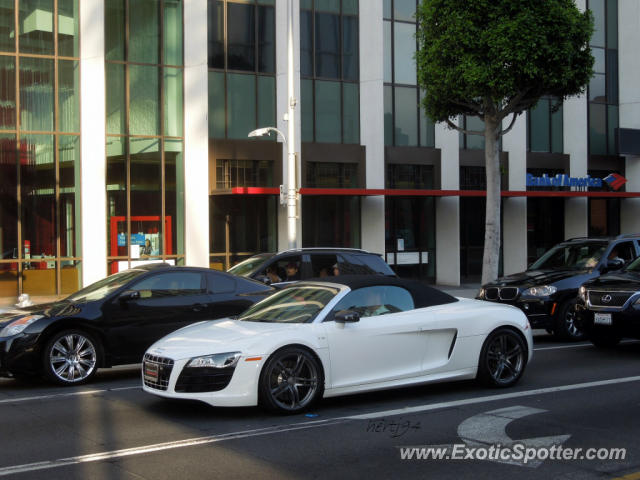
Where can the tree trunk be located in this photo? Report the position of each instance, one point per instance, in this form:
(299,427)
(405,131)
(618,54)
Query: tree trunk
(491,255)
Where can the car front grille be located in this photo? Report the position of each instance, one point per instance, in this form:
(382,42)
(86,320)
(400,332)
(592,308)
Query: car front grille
(599,298)
(501,293)
(200,379)
(165,365)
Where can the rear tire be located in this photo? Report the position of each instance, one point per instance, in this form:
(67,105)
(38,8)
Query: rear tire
(566,328)
(503,359)
(70,357)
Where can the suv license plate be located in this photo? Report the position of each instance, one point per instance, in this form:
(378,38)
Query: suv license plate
(602,319)
(151,372)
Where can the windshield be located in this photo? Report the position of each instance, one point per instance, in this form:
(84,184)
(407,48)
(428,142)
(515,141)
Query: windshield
(248,266)
(578,256)
(291,305)
(102,288)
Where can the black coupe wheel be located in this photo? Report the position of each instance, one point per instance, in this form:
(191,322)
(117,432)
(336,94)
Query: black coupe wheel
(70,358)
(503,358)
(566,327)
(291,381)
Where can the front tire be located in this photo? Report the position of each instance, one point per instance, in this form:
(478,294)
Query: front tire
(70,357)
(566,328)
(291,381)
(502,359)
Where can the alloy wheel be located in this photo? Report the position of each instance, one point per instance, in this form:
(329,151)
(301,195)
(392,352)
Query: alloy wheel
(505,358)
(292,380)
(72,358)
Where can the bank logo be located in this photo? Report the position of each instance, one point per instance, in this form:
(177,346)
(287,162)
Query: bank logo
(615,181)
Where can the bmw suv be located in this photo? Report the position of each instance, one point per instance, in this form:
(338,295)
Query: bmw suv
(546,292)
(305,263)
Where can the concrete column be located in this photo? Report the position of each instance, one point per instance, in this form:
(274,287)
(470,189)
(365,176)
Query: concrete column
(576,142)
(629,79)
(372,122)
(196,151)
(448,208)
(93,202)
(282,21)
(514,228)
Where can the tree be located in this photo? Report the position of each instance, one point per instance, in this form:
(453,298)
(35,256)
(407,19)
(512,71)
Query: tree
(494,59)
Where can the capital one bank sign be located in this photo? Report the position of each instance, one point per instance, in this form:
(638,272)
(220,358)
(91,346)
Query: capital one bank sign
(614,180)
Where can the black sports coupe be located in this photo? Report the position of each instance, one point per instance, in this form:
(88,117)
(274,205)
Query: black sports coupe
(113,321)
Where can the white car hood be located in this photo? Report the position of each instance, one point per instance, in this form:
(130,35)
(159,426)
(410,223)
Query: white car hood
(225,335)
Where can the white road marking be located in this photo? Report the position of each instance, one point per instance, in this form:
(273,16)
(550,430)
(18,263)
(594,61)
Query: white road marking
(109,455)
(577,345)
(62,395)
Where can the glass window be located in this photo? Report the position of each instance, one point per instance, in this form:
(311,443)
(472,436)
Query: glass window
(612,124)
(331,221)
(328,5)
(172,32)
(266,100)
(221,283)
(7,92)
(68,96)
(144,107)
(174,195)
(597,91)
(350,48)
(115,27)
(406,116)
(146,193)
(404,47)
(68,28)
(217,120)
(306,92)
(350,7)
(612,76)
(404,10)
(599,62)
(557,129)
(476,124)
(266,40)
(597,129)
(36,94)
(387,57)
(8,199)
(539,119)
(427,127)
(387,9)
(327,45)
(144,34)
(306,43)
(241,37)
(388,115)
(374,301)
(173,102)
(7,29)
(36,26)
(351,114)
(69,161)
(117,196)
(215,34)
(115,103)
(597,7)
(328,112)
(612,24)
(241,105)
(175,283)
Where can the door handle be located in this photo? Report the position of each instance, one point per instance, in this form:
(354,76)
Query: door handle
(198,307)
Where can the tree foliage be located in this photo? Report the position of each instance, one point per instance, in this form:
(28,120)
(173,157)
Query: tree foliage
(478,57)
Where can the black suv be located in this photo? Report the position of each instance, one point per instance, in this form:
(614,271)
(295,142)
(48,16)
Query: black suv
(546,292)
(608,307)
(305,263)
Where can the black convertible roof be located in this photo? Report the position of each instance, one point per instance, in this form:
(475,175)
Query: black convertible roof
(423,295)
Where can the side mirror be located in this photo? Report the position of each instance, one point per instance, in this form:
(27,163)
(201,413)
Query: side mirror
(615,264)
(129,295)
(264,279)
(347,316)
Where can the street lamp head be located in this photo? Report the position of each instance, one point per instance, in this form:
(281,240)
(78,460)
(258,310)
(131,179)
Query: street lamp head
(260,132)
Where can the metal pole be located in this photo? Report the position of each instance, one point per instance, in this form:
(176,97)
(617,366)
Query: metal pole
(292,191)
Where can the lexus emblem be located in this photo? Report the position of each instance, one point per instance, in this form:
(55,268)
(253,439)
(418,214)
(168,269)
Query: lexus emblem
(606,298)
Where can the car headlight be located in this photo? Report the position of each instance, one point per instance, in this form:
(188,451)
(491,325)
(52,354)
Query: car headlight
(219,360)
(480,295)
(19,325)
(541,291)
(582,293)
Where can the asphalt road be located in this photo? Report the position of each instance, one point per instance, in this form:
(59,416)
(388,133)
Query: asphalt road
(573,395)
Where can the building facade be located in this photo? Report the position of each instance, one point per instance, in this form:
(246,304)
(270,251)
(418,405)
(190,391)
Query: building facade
(123,139)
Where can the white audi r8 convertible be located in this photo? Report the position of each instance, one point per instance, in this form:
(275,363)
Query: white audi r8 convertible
(350,334)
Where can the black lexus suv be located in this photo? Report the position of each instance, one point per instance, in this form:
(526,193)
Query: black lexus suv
(274,268)
(547,291)
(608,307)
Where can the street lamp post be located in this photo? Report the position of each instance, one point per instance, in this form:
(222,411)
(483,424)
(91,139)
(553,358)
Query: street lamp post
(292,190)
